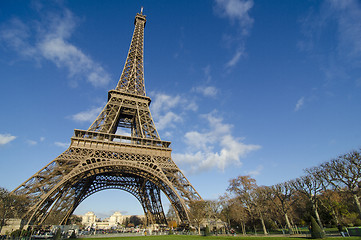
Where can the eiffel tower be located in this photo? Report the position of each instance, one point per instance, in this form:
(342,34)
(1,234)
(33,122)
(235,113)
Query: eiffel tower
(99,158)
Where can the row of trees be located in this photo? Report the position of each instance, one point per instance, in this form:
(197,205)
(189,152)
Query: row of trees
(329,192)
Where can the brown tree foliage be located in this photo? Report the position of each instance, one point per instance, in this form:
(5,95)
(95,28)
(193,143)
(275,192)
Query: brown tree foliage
(198,213)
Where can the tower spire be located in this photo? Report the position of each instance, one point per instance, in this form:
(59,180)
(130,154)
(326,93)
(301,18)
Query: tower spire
(132,78)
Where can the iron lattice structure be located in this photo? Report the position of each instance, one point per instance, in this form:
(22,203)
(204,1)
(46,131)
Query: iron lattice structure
(99,158)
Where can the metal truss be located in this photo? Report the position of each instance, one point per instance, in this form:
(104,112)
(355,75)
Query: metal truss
(100,159)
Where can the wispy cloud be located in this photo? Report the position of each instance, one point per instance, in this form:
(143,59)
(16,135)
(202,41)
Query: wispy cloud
(6,138)
(237,11)
(236,57)
(338,21)
(256,172)
(207,73)
(62,144)
(87,116)
(31,142)
(35,142)
(214,147)
(207,91)
(299,104)
(348,16)
(50,39)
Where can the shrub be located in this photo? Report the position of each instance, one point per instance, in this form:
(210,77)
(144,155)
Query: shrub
(316,231)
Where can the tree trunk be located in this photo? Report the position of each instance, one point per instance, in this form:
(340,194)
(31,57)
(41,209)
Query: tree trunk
(357,202)
(243,225)
(263,225)
(314,206)
(335,216)
(288,224)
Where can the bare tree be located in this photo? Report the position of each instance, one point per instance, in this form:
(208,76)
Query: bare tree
(239,213)
(262,204)
(198,213)
(327,198)
(310,186)
(344,173)
(282,196)
(225,211)
(213,211)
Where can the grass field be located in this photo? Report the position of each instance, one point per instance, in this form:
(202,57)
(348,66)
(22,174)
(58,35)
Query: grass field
(189,237)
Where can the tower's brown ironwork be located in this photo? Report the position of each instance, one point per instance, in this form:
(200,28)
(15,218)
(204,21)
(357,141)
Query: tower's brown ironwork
(99,158)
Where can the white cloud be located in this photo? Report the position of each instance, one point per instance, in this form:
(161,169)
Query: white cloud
(16,35)
(163,102)
(207,73)
(236,57)
(61,144)
(168,120)
(6,138)
(123,132)
(299,104)
(338,21)
(31,142)
(207,91)
(168,110)
(87,116)
(348,16)
(49,39)
(256,172)
(236,10)
(214,147)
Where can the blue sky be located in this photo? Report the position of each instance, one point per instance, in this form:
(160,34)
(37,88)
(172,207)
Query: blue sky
(266,88)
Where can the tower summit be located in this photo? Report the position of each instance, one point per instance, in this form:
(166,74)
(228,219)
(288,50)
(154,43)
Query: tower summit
(100,158)
(132,78)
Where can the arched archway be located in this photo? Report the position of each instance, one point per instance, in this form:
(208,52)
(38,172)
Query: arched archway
(141,180)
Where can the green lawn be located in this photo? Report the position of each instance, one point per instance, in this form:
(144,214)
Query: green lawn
(185,237)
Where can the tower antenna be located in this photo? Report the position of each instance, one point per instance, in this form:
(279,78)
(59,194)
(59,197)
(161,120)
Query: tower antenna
(141,9)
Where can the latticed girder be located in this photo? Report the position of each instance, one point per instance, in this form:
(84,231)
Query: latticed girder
(144,174)
(45,179)
(132,78)
(147,193)
(126,110)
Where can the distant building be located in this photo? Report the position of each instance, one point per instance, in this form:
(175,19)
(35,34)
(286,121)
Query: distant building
(90,220)
(10,225)
(116,219)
